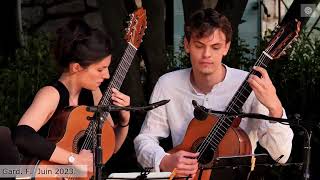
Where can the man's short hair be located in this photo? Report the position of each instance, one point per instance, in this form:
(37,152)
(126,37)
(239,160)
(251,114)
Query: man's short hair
(204,22)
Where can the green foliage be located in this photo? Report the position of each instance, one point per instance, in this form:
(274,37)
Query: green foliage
(179,60)
(240,54)
(23,75)
(297,77)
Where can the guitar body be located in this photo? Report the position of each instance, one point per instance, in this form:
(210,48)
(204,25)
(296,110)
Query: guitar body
(235,142)
(68,132)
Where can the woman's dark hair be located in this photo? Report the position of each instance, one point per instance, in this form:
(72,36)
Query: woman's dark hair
(204,22)
(79,43)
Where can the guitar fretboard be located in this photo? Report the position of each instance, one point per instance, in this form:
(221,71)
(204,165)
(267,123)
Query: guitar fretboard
(219,130)
(118,76)
(115,82)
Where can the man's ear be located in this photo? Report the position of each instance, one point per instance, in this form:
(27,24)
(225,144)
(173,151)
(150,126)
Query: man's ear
(75,67)
(227,47)
(186,45)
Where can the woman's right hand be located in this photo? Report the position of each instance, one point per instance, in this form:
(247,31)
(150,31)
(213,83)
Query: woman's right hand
(85,157)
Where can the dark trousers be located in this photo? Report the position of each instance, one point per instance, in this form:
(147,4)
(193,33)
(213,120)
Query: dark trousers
(114,14)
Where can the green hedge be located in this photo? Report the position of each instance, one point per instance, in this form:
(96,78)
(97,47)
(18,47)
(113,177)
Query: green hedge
(23,74)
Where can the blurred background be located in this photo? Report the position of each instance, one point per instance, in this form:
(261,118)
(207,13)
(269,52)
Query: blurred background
(28,31)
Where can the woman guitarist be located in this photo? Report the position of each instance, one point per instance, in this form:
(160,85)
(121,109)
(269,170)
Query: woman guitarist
(212,84)
(84,55)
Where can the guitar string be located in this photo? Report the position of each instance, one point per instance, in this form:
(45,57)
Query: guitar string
(88,143)
(222,119)
(93,125)
(204,145)
(132,50)
(232,105)
(113,83)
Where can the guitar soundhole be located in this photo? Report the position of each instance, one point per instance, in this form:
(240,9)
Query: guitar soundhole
(80,142)
(206,153)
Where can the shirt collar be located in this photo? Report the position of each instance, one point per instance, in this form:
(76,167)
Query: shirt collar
(226,78)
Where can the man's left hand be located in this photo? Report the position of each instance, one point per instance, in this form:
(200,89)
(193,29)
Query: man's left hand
(266,92)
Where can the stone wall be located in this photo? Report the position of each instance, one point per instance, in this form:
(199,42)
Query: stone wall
(48,15)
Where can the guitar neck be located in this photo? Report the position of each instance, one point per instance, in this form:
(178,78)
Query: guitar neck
(219,130)
(244,90)
(118,76)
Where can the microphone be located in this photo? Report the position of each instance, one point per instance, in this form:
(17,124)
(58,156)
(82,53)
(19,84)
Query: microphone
(154,105)
(109,108)
(199,112)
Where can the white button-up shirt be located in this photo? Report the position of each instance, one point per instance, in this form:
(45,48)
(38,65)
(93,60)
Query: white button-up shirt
(175,116)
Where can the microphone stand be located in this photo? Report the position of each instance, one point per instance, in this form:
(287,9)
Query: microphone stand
(98,118)
(98,148)
(307,149)
(307,154)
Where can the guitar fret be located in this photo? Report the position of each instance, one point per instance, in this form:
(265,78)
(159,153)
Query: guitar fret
(264,66)
(247,90)
(213,142)
(235,103)
(243,95)
(210,143)
(239,100)
(116,82)
(224,128)
(226,123)
(219,133)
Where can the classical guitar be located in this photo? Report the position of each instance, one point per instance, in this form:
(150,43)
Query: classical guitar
(71,129)
(221,136)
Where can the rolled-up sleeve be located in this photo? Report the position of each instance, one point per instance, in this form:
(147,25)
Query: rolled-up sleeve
(275,137)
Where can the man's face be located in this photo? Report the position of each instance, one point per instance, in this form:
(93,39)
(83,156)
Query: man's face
(206,53)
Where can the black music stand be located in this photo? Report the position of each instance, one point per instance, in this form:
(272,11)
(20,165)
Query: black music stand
(239,167)
(98,164)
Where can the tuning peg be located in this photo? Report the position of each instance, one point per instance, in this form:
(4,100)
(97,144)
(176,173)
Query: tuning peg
(129,21)
(283,53)
(277,27)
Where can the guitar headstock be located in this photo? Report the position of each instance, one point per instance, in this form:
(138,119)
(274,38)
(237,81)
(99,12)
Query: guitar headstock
(284,36)
(136,28)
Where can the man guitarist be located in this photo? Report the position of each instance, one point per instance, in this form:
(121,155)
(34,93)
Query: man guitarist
(212,84)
